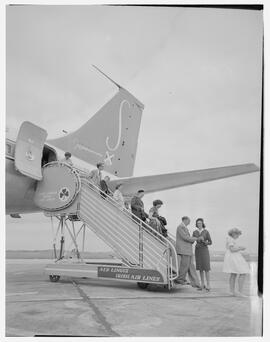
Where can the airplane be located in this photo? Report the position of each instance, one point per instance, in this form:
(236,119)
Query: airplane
(111,136)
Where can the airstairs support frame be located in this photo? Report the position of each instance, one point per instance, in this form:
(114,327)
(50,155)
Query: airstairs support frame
(73,238)
(138,245)
(62,226)
(62,241)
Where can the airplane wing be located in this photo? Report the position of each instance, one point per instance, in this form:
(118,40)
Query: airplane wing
(178,179)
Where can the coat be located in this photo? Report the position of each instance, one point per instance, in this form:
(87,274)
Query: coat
(104,186)
(95,177)
(118,197)
(137,208)
(183,240)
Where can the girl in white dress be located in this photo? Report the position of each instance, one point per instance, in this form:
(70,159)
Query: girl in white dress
(234,262)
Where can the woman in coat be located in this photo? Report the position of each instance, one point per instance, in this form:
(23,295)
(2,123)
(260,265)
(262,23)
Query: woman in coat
(154,216)
(202,256)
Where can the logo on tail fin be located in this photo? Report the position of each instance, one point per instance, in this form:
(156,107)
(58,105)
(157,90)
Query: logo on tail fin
(108,159)
(120,128)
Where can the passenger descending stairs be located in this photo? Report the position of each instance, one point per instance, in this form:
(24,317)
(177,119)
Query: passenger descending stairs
(135,242)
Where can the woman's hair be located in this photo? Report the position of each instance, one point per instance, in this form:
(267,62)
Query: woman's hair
(157,202)
(200,219)
(118,186)
(234,231)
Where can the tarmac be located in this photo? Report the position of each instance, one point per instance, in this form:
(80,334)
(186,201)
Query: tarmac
(106,308)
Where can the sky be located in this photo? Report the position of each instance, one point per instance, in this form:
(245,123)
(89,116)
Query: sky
(197,71)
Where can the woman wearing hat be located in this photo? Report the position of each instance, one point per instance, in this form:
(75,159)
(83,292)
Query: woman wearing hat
(154,215)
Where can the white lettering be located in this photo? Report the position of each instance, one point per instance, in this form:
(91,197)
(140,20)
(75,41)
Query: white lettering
(150,278)
(119,270)
(82,147)
(122,276)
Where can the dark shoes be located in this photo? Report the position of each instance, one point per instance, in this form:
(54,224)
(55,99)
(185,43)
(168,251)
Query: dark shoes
(181,282)
(200,288)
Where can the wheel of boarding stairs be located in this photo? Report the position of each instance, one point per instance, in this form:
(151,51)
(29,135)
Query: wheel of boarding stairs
(54,278)
(142,285)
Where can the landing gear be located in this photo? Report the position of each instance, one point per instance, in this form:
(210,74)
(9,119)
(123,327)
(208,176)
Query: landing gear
(54,278)
(142,286)
(66,224)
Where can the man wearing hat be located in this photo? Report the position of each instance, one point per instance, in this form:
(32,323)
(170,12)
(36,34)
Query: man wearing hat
(67,159)
(137,206)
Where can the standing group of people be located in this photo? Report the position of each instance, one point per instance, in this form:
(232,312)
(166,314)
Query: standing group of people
(234,262)
(184,242)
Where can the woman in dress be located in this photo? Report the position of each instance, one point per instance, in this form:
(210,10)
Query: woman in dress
(118,197)
(154,215)
(234,262)
(202,256)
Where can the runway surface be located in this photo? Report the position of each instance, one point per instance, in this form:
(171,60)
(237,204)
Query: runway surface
(92,307)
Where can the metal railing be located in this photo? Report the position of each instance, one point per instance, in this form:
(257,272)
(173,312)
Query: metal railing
(134,241)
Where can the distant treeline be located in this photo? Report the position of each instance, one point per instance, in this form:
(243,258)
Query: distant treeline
(48,254)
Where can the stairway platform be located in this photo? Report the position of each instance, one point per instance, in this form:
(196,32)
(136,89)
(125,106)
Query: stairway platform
(78,269)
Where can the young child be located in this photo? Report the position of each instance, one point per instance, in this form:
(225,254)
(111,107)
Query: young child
(234,262)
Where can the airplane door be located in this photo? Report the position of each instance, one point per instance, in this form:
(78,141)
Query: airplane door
(29,149)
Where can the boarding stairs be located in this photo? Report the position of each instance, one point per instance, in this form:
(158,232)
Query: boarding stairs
(134,242)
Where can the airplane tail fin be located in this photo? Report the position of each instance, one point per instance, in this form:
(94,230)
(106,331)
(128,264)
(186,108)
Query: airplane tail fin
(111,135)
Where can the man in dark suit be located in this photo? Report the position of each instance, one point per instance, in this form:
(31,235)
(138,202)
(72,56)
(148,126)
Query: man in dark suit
(104,186)
(184,251)
(137,206)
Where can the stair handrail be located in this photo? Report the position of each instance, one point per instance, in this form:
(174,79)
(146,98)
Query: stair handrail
(136,223)
(126,212)
(150,254)
(144,226)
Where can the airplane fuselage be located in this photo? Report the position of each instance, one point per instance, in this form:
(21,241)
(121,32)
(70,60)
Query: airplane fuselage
(20,193)
(20,189)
